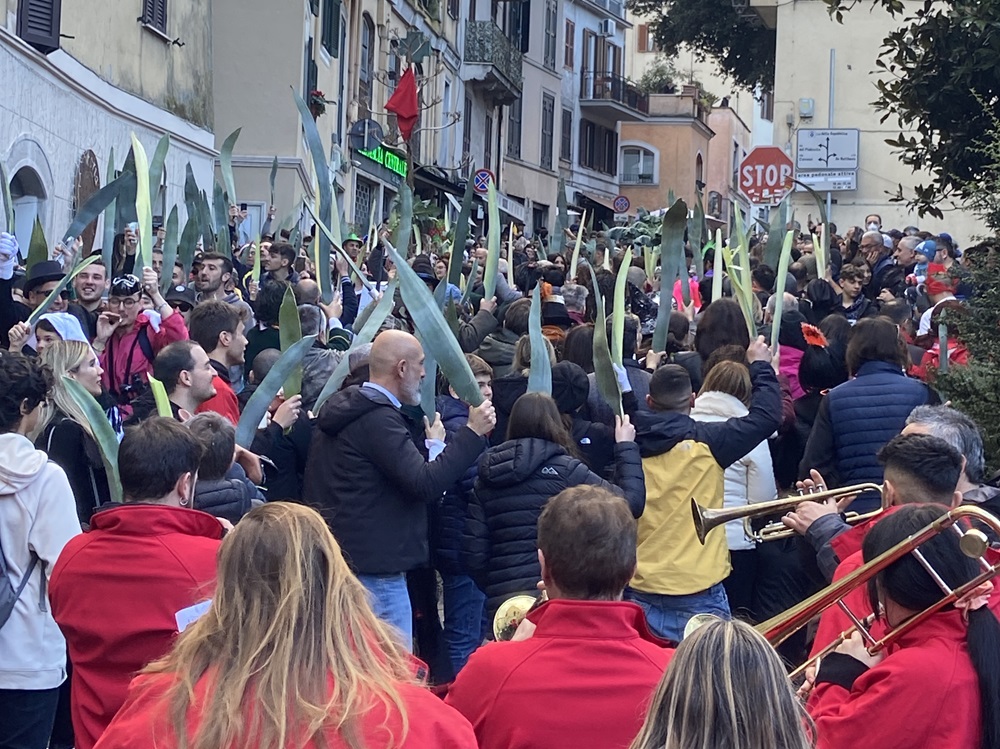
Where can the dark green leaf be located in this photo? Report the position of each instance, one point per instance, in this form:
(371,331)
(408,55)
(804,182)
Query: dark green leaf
(290,333)
(604,371)
(156,168)
(188,245)
(461,235)
(169,250)
(38,248)
(8,204)
(104,435)
(273,177)
(322,170)
(91,209)
(110,212)
(226,166)
(671,247)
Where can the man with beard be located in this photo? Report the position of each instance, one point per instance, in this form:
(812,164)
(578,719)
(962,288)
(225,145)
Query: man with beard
(89,285)
(371,481)
(212,282)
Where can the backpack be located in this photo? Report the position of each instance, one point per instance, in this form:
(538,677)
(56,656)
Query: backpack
(8,593)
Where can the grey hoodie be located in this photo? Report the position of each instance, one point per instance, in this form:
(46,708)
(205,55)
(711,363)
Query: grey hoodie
(37,513)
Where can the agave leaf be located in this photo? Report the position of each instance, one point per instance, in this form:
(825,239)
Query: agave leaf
(126,199)
(207,223)
(38,247)
(775,234)
(540,375)
(104,435)
(441,293)
(492,242)
(91,209)
(185,251)
(438,339)
(404,229)
(451,315)
(8,204)
(671,244)
(471,281)
(604,371)
(325,231)
(191,191)
(557,240)
(379,312)
(290,333)
(255,271)
(110,211)
(54,294)
(779,297)
(156,167)
(161,398)
(576,249)
(618,313)
(824,244)
(257,406)
(226,165)
(143,210)
(510,256)
(322,171)
(222,242)
(701,236)
(169,250)
(740,291)
(717,266)
(650,261)
(273,177)
(461,234)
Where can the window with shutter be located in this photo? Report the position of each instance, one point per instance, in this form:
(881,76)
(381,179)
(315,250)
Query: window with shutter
(331,26)
(154,14)
(38,23)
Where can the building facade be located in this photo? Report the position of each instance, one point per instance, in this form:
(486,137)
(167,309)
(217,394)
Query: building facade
(70,97)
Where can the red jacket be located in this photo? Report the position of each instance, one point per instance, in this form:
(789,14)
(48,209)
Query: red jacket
(584,679)
(115,591)
(925,694)
(115,357)
(224,401)
(143,721)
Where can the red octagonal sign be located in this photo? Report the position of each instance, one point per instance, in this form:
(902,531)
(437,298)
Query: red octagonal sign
(766,175)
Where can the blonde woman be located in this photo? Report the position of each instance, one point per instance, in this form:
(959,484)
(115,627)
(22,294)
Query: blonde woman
(64,432)
(725,688)
(288,654)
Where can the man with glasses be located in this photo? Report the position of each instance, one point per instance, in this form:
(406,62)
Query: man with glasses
(126,342)
(42,279)
(879,257)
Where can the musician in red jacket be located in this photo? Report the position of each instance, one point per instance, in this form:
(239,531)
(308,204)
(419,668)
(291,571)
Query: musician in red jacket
(122,591)
(587,666)
(936,686)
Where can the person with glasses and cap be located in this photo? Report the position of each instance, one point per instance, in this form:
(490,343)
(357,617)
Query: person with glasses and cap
(126,341)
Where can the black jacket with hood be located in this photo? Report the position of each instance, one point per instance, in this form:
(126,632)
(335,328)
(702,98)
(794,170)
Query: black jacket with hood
(515,481)
(372,484)
(230,497)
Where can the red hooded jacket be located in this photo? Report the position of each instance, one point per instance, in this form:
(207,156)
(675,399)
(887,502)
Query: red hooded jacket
(143,721)
(123,357)
(584,679)
(114,593)
(924,693)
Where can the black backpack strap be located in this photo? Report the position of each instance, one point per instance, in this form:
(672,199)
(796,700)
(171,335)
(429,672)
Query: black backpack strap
(145,345)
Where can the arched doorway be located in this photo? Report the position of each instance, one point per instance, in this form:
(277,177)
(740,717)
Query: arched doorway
(28,194)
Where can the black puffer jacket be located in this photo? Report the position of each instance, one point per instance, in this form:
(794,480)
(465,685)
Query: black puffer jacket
(515,481)
(230,497)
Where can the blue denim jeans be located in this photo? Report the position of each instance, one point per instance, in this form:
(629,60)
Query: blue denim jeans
(390,601)
(668,615)
(463,617)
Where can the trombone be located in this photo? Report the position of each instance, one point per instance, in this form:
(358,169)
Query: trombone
(705,519)
(973,543)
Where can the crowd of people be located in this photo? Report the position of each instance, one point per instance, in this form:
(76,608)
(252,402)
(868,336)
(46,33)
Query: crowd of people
(336,582)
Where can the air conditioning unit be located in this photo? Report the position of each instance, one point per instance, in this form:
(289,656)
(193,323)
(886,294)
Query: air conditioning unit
(607,27)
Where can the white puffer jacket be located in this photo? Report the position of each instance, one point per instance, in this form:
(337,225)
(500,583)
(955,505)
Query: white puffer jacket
(748,480)
(37,513)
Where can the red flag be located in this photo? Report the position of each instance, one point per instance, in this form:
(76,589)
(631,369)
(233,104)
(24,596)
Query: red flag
(403,104)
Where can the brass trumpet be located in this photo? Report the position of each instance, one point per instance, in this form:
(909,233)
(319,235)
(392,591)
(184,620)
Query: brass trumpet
(973,542)
(705,519)
(511,613)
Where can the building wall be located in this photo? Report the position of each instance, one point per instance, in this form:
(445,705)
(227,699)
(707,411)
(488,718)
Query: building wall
(56,109)
(731,133)
(805,36)
(109,41)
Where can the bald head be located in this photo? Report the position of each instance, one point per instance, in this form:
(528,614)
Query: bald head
(397,364)
(307,291)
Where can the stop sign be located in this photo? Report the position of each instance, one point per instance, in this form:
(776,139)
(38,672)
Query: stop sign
(766,175)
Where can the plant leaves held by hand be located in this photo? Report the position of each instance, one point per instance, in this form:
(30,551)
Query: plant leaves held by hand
(671,246)
(104,434)
(143,207)
(38,248)
(604,371)
(290,333)
(540,374)
(170,244)
(226,165)
(65,281)
(161,398)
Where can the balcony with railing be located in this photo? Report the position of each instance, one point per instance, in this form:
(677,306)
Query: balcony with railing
(612,97)
(635,178)
(492,62)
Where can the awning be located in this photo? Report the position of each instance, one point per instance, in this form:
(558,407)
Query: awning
(511,207)
(458,206)
(436,179)
(601,200)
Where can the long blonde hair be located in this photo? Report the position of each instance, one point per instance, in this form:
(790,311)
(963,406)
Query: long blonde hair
(63,358)
(290,642)
(725,688)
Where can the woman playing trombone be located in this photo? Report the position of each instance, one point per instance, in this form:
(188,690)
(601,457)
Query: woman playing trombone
(937,686)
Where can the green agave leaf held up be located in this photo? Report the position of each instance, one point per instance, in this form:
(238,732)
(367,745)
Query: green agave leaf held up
(540,375)
(104,435)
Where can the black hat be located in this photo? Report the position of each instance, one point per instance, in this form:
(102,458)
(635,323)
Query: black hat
(43,272)
(570,386)
(181,294)
(423,268)
(126,285)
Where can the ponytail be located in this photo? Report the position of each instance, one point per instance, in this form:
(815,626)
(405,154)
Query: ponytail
(983,640)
